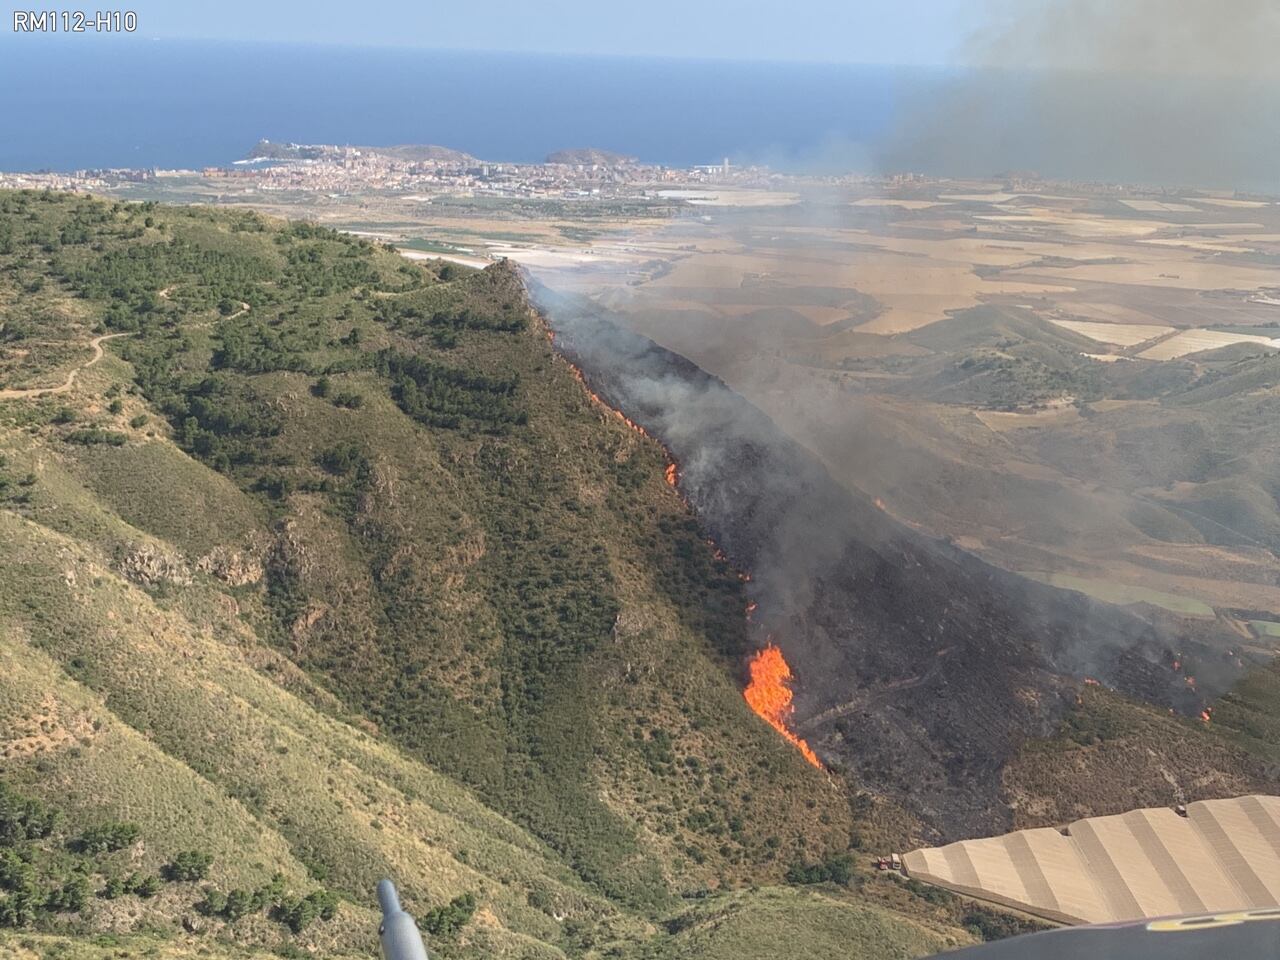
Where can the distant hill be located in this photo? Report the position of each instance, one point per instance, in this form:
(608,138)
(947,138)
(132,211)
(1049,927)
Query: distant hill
(590,156)
(411,153)
(419,152)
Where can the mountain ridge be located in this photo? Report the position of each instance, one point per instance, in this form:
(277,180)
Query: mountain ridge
(331,570)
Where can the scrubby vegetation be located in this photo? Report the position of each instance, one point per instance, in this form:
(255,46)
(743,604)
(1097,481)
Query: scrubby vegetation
(45,872)
(834,869)
(331,570)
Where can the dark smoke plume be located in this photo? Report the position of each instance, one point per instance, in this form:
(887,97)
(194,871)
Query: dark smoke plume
(921,667)
(1165,92)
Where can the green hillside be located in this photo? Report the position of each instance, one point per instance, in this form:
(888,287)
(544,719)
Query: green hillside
(329,569)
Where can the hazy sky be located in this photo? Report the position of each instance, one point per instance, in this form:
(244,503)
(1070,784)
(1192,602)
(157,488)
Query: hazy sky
(848,31)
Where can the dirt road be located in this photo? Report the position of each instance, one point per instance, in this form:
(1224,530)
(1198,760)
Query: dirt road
(96,343)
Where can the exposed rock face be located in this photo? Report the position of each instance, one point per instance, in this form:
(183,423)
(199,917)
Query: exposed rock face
(150,566)
(920,668)
(236,568)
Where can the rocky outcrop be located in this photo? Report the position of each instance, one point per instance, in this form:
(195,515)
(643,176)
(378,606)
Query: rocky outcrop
(235,568)
(151,566)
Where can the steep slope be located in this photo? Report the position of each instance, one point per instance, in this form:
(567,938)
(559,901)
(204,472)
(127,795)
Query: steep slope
(330,570)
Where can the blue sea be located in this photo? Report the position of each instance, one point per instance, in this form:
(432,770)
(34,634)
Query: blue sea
(70,103)
(103,102)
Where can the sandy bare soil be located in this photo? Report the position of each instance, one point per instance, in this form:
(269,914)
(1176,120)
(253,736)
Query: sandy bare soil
(1158,206)
(731,197)
(897,202)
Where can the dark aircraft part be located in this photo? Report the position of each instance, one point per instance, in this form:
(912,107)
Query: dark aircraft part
(1238,935)
(400,937)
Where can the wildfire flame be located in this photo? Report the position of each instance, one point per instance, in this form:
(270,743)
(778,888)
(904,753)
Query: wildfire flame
(1089,681)
(672,471)
(1206,714)
(769,692)
(769,695)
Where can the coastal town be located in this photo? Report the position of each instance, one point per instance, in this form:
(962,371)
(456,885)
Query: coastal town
(416,173)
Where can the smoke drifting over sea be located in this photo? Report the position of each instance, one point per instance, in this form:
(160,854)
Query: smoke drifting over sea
(1166,92)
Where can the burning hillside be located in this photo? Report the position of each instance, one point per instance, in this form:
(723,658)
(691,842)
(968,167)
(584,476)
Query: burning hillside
(768,692)
(925,667)
(769,695)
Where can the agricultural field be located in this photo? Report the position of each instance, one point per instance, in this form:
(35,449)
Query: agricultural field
(856,321)
(1195,341)
(1121,334)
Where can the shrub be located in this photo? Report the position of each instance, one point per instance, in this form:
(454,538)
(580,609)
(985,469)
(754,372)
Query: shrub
(236,904)
(106,838)
(71,897)
(188,866)
(834,869)
(343,459)
(147,885)
(22,818)
(213,904)
(299,912)
(992,925)
(448,920)
(94,435)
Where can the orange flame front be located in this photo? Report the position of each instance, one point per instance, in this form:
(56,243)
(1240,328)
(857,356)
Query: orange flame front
(769,695)
(769,692)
